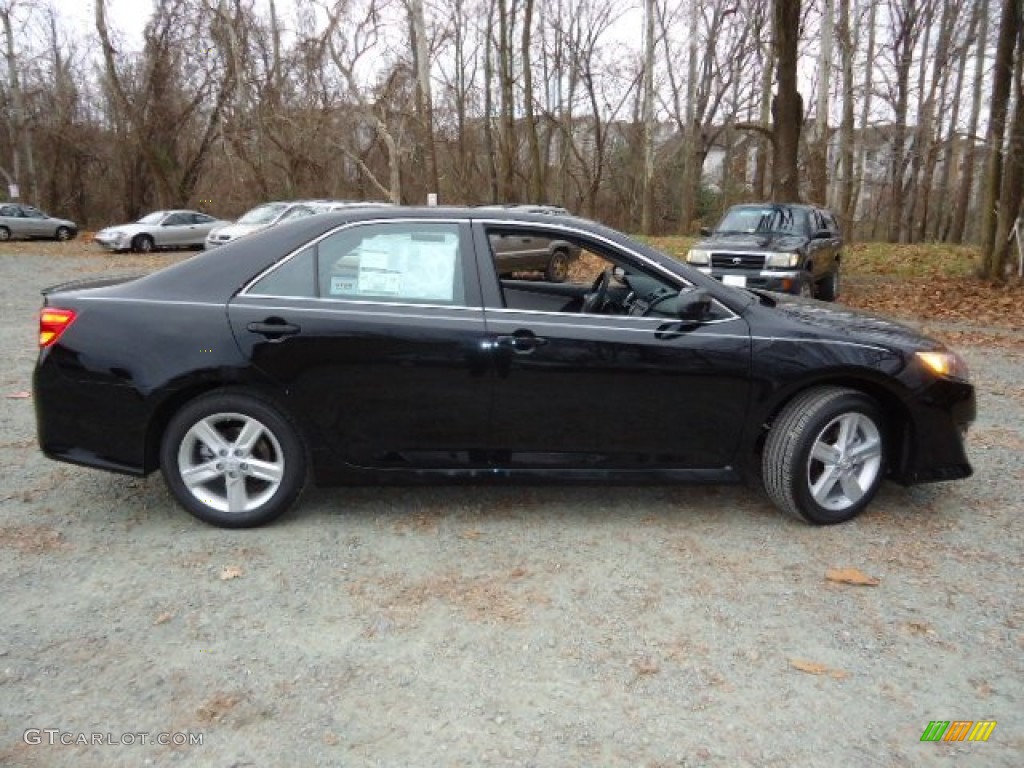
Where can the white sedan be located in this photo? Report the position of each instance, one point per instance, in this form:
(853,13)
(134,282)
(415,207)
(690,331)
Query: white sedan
(160,229)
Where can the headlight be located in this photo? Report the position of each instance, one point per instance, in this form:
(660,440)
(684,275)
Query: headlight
(945,364)
(784,260)
(698,256)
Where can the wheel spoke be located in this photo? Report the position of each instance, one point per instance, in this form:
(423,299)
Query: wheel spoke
(847,430)
(206,433)
(825,453)
(823,487)
(850,483)
(247,438)
(238,497)
(200,474)
(265,470)
(869,449)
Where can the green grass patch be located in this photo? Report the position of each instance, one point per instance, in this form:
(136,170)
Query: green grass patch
(918,260)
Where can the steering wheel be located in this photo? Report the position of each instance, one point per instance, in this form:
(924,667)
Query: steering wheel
(597,299)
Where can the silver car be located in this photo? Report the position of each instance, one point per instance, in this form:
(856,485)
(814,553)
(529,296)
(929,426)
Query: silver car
(261,217)
(158,230)
(26,222)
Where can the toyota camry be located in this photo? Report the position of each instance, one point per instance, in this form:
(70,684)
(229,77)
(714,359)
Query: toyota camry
(383,346)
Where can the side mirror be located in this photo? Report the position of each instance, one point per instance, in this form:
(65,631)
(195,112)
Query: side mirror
(694,305)
(705,231)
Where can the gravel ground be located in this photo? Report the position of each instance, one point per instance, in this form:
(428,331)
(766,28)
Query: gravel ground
(512,626)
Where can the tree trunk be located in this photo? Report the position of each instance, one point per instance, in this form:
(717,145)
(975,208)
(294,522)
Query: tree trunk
(787,107)
(1012,192)
(424,101)
(691,175)
(904,49)
(1010,20)
(537,180)
(647,194)
(818,144)
(963,200)
(846,134)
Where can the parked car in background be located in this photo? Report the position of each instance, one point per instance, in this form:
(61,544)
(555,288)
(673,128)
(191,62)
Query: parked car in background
(261,217)
(271,214)
(380,345)
(159,230)
(778,247)
(326,206)
(25,222)
(515,252)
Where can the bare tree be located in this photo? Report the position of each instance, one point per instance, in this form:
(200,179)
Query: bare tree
(787,107)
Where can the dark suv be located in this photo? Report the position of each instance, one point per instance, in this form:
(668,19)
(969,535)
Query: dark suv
(775,246)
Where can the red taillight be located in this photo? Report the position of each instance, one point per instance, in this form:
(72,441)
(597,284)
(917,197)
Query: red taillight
(52,323)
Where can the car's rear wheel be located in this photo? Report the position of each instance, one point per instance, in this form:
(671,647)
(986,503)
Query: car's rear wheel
(233,460)
(558,267)
(142,243)
(824,458)
(828,289)
(5,234)
(63,234)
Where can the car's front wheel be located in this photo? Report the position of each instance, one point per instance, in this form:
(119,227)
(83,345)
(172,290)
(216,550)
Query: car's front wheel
(142,243)
(5,234)
(828,290)
(233,460)
(63,234)
(824,457)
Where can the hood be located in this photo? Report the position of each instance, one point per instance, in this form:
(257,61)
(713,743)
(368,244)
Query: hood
(231,231)
(844,323)
(128,229)
(765,241)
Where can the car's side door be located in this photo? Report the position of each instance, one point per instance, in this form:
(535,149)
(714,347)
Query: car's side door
(375,338)
(588,388)
(173,231)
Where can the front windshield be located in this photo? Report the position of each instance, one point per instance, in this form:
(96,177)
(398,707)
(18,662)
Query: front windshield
(153,218)
(761,219)
(264,214)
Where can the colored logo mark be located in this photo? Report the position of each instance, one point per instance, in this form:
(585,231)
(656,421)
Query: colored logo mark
(958,730)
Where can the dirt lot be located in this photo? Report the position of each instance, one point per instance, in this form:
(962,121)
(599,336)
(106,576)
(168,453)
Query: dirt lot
(515,626)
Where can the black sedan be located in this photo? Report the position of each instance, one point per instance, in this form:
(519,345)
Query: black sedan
(382,346)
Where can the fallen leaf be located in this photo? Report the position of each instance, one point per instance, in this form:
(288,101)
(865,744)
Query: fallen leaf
(473,535)
(816,668)
(851,576)
(229,572)
(23,394)
(163,618)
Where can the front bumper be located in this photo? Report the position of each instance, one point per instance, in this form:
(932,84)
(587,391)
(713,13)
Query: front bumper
(120,243)
(779,280)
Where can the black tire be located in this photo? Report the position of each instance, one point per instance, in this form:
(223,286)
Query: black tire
(63,234)
(142,244)
(558,267)
(5,234)
(233,470)
(790,472)
(828,289)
